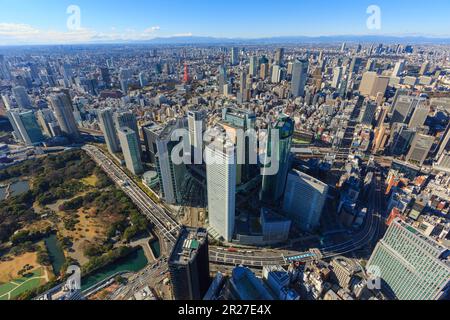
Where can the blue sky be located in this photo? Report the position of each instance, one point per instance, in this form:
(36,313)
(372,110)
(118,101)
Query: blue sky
(44,21)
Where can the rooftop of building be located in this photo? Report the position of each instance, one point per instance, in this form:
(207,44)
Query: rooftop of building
(272,216)
(278,273)
(166,132)
(126,130)
(248,286)
(187,245)
(222,144)
(307,177)
(421,236)
(348,265)
(234,111)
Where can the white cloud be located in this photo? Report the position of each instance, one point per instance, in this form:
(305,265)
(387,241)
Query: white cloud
(152,29)
(189,34)
(16,33)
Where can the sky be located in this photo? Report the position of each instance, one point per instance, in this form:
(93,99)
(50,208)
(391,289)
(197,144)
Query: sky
(46,21)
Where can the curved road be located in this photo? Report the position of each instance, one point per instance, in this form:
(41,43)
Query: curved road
(167,227)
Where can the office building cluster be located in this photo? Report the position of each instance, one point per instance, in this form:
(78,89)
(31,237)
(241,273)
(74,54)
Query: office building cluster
(343,149)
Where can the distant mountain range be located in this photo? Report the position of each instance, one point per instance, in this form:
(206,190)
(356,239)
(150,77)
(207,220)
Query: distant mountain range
(186,40)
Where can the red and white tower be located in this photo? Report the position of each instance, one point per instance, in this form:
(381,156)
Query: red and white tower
(186,73)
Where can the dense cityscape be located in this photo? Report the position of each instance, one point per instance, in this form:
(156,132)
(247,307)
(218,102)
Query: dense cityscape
(225,171)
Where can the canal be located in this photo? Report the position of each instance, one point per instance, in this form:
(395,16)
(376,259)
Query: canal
(55,253)
(133,262)
(156,248)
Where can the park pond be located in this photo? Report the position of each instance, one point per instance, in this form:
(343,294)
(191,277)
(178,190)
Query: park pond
(15,189)
(134,262)
(156,248)
(55,254)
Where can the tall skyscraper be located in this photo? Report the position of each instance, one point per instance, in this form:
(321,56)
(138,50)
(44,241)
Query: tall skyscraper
(398,69)
(253,66)
(151,131)
(368,113)
(273,184)
(234,56)
(371,63)
(22,98)
(244,91)
(127,119)
(337,76)
(411,265)
(355,65)
(304,199)
(45,117)
(264,71)
(130,150)
(106,78)
(402,136)
(299,78)
(171,175)
(444,161)
(279,56)
(234,119)
(109,131)
(444,144)
(420,148)
(222,79)
(5,73)
(196,128)
(424,68)
(244,285)
(26,127)
(401,108)
(63,109)
(404,108)
(276,74)
(419,115)
(189,265)
(220,159)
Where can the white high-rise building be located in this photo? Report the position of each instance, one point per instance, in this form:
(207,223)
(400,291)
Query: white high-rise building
(276,74)
(304,199)
(337,77)
(398,69)
(109,131)
(6,101)
(221,180)
(253,66)
(411,265)
(196,126)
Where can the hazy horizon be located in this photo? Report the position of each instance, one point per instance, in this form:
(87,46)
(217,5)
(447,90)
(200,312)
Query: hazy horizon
(80,22)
